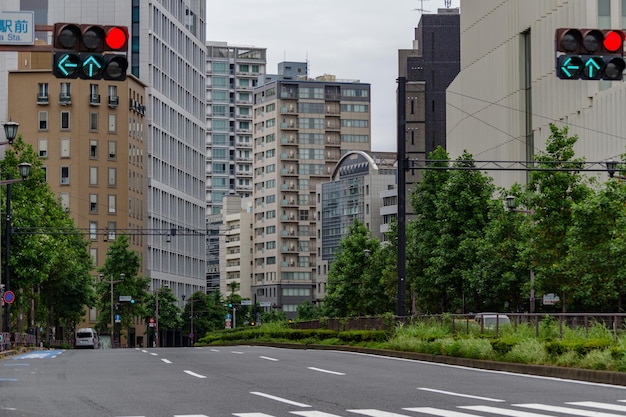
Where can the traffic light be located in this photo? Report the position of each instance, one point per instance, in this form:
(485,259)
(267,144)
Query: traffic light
(589,54)
(91,52)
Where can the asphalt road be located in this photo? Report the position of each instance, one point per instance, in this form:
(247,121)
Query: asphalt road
(250,381)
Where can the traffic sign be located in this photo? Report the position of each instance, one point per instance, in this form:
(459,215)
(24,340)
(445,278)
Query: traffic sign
(123,298)
(246,302)
(9,297)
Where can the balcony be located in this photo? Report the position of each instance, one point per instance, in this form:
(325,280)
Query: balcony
(42,98)
(65,99)
(114,101)
(94,99)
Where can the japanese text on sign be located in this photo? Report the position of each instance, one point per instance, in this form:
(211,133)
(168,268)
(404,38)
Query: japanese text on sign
(17,28)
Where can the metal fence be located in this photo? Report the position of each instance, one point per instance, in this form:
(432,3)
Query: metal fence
(466,322)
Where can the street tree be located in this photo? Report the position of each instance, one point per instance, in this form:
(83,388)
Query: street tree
(355,287)
(552,194)
(50,262)
(121,271)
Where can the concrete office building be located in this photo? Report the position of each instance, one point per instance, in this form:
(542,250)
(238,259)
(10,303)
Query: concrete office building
(353,193)
(232,72)
(302,127)
(507,93)
(236,247)
(167,52)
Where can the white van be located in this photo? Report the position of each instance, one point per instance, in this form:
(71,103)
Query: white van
(87,338)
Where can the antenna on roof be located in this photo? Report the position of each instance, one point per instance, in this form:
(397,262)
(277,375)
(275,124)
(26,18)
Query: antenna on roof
(421,9)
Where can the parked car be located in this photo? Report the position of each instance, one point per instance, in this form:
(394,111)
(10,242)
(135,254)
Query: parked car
(491,320)
(87,338)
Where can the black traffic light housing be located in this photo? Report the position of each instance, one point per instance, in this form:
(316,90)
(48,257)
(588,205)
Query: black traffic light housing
(589,54)
(90,51)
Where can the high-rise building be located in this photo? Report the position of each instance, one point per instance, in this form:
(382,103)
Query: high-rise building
(231,74)
(302,127)
(429,67)
(166,52)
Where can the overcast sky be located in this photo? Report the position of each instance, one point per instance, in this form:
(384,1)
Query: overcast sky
(352,39)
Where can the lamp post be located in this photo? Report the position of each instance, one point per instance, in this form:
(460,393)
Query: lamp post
(111,282)
(611,168)
(511,206)
(10,131)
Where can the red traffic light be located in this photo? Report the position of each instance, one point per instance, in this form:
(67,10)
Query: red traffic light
(116,38)
(589,41)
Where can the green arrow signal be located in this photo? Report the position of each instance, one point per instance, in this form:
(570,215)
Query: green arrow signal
(570,68)
(91,66)
(68,64)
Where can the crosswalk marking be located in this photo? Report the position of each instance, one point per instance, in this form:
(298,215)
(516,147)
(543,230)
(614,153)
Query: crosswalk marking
(571,411)
(439,412)
(376,413)
(503,411)
(252,415)
(313,414)
(603,406)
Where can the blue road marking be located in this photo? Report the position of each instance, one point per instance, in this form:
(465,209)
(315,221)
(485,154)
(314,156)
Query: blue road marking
(40,354)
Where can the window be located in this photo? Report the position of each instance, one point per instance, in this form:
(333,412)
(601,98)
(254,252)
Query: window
(65,175)
(94,94)
(43,120)
(93,148)
(93,203)
(43,148)
(112,122)
(112,177)
(42,93)
(112,149)
(93,230)
(65,148)
(114,100)
(112,203)
(65,96)
(65,201)
(65,120)
(111,229)
(93,121)
(93,175)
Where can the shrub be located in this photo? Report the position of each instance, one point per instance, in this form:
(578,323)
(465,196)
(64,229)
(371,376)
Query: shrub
(530,351)
(598,360)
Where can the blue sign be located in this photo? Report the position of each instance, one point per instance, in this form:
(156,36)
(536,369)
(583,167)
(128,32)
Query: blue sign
(228,316)
(9,297)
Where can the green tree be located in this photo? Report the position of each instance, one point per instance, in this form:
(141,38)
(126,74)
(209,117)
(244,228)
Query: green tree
(552,195)
(208,313)
(122,267)
(355,286)
(596,255)
(50,261)
(422,232)
(308,311)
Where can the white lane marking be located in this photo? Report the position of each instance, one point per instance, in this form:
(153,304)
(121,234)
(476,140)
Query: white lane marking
(8,379)
(313,414)
(440,413)
(376,413)
(237,352)
(194,374)
(488,371)
(567,410)
(252,415)
(214,350)
(154,354)
(268,358)
(603,406)
(16,364)
(457,394)
(502,411)
(144,351)
(325,371)
(190,415)
(282,400)
(166,361)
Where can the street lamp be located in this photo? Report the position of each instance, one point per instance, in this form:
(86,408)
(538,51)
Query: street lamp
(611,168)
(511,206)
(10,131)
(111,282)
(24,169)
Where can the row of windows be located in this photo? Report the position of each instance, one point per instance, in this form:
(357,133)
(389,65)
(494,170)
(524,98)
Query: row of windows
(64,149)
(93,176)
(65,121)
